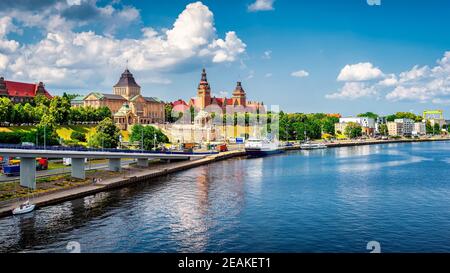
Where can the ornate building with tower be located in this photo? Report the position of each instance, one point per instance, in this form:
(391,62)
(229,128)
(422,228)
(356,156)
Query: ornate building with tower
(127,103)
(19,92)
(204,97)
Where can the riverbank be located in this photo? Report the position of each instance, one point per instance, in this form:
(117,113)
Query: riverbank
(137,175)
(350,143)
(129,177)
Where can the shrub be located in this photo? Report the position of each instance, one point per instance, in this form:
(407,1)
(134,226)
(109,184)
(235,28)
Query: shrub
(78,136)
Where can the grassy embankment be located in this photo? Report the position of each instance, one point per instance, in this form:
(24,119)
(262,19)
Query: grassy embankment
(64,131)
(13,190)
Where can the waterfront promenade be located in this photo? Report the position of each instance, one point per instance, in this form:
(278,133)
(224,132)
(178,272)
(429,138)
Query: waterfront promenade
(136,175)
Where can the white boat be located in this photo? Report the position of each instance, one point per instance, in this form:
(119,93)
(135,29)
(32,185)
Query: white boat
(24,208)
(262,147)
(313,146)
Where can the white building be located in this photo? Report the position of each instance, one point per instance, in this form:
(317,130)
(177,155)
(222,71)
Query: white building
(363,121)
(367,124)
(420,129)
(407,126)
(378,122)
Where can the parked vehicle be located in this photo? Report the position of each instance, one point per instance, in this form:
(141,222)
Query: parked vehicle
(222,148)
(13,167)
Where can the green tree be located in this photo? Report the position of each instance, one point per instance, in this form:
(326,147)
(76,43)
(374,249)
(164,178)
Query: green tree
(369,115)
(353,130)
(69,96)
(41,100)
(46,132)
(437,129)
(76,114)
(78,136)
(383,129)
(328,125)
(29,113)
(168,112)
(429,128)
(60,109)
(101,113)
(6,107)
(17,114)
(147,134)
(106,136)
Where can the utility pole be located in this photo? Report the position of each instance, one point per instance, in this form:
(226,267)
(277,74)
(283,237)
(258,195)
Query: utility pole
(45,135)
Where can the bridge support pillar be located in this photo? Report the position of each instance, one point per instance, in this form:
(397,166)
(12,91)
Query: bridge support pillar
(28,172)
(114,164)
(78,170)
(142,162)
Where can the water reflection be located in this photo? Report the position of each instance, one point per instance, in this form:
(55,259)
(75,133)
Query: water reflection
(327,201)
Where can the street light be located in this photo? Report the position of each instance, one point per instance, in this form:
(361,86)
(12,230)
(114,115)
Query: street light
(154,141)
(142,139)
(45,142)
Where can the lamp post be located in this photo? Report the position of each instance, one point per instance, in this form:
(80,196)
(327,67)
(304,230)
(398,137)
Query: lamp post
(45,134)
(154,141)
(142,139)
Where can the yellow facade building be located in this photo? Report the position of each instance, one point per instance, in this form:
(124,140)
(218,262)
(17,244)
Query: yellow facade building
(127,103)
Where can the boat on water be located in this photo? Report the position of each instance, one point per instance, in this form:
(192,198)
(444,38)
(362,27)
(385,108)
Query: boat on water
(313,146)
(24,208)
(256,147)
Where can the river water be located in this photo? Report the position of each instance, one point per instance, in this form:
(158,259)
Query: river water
(334,200)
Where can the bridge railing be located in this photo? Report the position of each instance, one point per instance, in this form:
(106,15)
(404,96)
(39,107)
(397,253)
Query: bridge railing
(111,150)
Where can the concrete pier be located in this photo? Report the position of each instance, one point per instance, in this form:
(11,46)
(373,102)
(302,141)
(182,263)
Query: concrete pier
(78,168)
(115,165)
(143,162)
(28,172)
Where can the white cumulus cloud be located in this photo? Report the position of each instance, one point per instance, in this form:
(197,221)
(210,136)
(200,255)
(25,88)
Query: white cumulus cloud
(300,74)
(261,5)
(421,84)
(68,59)
(424,84)
(359,72)
(353,90)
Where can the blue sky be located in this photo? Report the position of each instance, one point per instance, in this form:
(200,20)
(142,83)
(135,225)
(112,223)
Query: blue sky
(306,56)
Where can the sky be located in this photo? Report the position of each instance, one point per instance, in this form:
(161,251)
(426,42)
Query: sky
(327,56)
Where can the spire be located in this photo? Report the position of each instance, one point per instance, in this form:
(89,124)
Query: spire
(3,89)
(126,79)
(40,89)
(204,78)
(239,90)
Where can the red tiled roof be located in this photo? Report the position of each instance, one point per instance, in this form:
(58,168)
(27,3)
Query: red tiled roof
(179,102)
(20,89)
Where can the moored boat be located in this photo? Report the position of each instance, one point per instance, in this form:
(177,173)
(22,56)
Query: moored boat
(313,146)
(262,147)
(24,208)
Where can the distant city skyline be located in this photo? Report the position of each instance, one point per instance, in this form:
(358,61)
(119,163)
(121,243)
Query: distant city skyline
(306,56)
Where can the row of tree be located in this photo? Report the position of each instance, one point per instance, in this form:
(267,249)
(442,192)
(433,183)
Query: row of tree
(58,108)
(300,126)
(108,136)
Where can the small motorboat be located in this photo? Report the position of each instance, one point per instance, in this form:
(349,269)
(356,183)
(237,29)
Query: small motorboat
(24,208)
(312,146)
